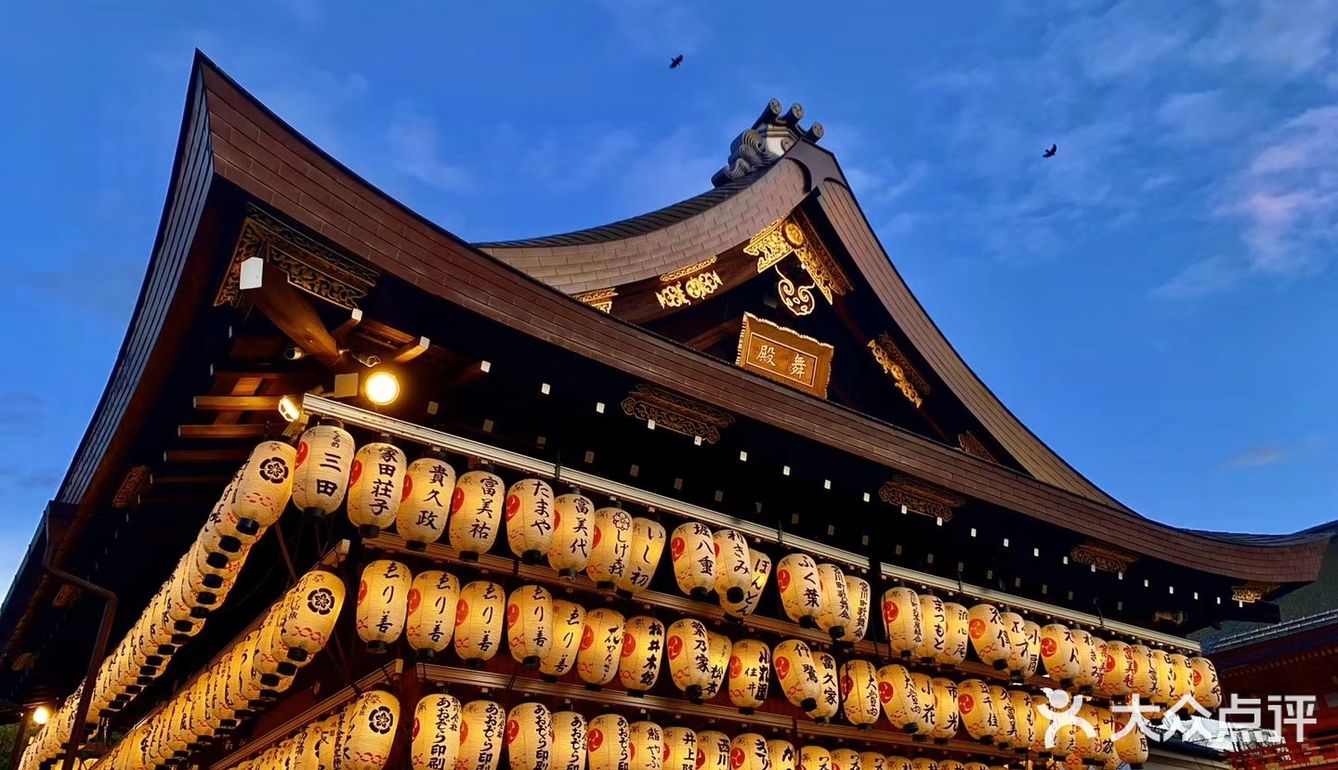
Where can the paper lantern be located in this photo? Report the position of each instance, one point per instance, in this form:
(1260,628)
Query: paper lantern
(1039,745)
(436,733)
(529,737)
(425,505)
(608,743)
(749,674)
(924,763)
(712,750)
(718,647)
(989,637)
(1203,679)
(643,645)
(644,556)
(946,719)
(845,759)
(1059,655)
(569,550)
(317,600)
(434,598)
(835,614)
(369,731)
(375,487)
(975,706)
(1089,661)
(975,766)
(1024,719)
(568,741)
(529,519)
(1007,736)
(692,551)
(950,764)
(897,762)
(479,621)
(1115,659)
(901,621)
(861,599)
(321,468)
(933,629)
(957,636)
(1182,678)
(815,758)
(748,751)
(782,755)
(529,624)
(800,590)
(859,693)
(1018,643)
(1164,673)
(611,546)
(896,694)
(1143,667)
(601,645)
(797,674)
(481,726)
(829,688)
(568,631)
(476,507)
(680,749)
(645,746)
(734,565)
(1132,744)
(1033,633)
(761,572)
(383,597)
(688,650)
(264,486)
(872,760)
(925,703)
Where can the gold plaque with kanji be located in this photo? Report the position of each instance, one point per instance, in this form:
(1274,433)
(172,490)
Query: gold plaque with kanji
(785,355)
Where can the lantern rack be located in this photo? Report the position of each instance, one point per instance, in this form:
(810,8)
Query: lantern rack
(318,405)
(757,721)
(384,674)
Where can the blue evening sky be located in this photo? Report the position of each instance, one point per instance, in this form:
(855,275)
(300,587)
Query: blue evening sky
(1157,302)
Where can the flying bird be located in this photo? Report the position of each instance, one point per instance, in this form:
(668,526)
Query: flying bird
(1050,153)
(674,62)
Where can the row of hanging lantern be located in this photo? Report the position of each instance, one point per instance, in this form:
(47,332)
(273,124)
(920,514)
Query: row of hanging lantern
(357,737)
(252,501)
(255,670)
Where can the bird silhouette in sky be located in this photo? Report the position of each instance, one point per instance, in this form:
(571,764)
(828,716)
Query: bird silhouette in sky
(674,62)
(1050,153)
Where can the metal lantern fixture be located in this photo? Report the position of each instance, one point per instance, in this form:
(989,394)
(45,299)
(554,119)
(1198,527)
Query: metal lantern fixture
(734,565)
(642,648)
(901,621)
(475,513)
(321,468)
(569,550)
(434,597)
(375,487)
(529,737)
(800,591)
(568,631)
(529,624)
(749,674)
(610,546)
(692,551)
(529,519)
(647,545)
(429,486)
(479,624)
(383,597)
(436,733)
(481,725)
(601,644)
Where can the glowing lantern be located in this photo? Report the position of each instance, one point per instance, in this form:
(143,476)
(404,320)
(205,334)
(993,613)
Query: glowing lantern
(264,486)
(433,600)
(1132,744)
(529,519)
(1089,662)
(610,546)
(320,470)
(975,766)
(801,593)
(946,720)
(316,601)
(798,676)
(1182,681)
(829,698)
(568,741)
(383,597)
(989,637)
(425,507)
(933,629)
(481,724)
(369,731)
(975,706)
(950,764)
(1007,735)
(712,750)
(845,759)
(815,758)
(749,674)
(647,545)
(1114,669)
(1203,679)
(568,631)
(1040,706)
(1144,672)
(733,566)
(957,636)
(872,760)
(645,746)
(475,508)
(1018,645)
(601,644)
(688,649)
(897,763)
(1163,668)
(1033,632)
(1059,655)
(436,733)
(718,648)
(924,763)
(479,622)
(896,693)
(859,693)
(692,551)
(748,751)
(569,550)
(679,746)
(901,621)
(861,599)
(761,571)
(643,645)
(608,743)
(1024,719)
(375,487)
(529,736)
(529,624)
(781,755)
(835,614)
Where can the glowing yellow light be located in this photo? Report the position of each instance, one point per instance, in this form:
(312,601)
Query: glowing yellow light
(290,409)
(41,714)
(381,388)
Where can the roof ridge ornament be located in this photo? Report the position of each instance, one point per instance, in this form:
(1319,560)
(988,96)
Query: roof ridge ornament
(771,136)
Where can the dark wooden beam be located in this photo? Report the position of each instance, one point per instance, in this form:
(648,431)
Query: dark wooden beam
(410,350)
(236,403)
(346,328)
(250,430)
(267,287)
(205,455)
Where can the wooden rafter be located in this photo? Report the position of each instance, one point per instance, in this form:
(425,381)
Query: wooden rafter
(267,288)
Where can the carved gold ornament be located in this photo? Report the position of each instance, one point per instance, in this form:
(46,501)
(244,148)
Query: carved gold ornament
(898,367)
(785,355)
(1252,592)
(794,234)
(682,293)
(921,497)
(676,413)
(695,267)
(973,446)
(599,299)
(1106,558)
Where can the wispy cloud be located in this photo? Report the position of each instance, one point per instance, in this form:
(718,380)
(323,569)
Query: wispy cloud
(649,25)
(415,147)
(1293,38)
(1259,457)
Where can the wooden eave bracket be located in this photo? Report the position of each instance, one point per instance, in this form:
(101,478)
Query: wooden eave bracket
(267,288)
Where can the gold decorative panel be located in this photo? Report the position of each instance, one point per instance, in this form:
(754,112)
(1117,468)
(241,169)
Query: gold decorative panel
(676,413)
(599,299)
(1106,558)
(785,355)
(794,234)
(921,497)
(898,367)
